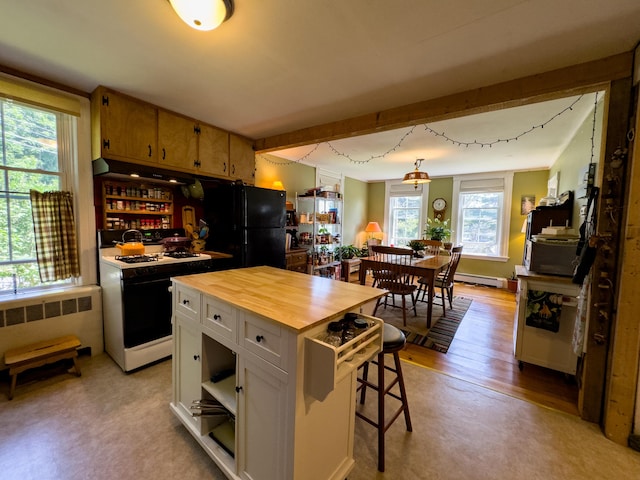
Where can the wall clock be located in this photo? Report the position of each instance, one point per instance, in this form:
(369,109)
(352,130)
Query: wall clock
(439,206)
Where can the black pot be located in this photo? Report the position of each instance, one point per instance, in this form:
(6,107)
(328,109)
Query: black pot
(173,244)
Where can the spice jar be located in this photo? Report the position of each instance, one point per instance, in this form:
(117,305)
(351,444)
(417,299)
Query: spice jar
(334,334)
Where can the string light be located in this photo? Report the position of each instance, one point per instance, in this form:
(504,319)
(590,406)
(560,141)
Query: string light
(427,128)
(459,143)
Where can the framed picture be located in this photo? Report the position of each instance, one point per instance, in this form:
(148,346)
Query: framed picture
(527,203)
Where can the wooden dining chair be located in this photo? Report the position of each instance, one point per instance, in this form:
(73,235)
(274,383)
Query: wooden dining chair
(444,282)
(391,274)
(432,247)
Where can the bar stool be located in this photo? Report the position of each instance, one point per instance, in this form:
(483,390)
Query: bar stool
(393,340)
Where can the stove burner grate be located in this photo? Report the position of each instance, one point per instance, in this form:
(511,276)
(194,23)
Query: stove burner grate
(137,258)
(177,254)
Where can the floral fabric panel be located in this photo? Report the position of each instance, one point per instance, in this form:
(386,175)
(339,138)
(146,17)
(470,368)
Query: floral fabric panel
(544,310)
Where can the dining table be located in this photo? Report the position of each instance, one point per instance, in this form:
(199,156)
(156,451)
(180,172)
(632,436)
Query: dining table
(427,267)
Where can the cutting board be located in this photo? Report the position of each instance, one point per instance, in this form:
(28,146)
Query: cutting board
(188,217)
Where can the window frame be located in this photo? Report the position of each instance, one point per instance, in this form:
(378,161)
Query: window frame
(64,164)
(76,175)
(505,217)
(395,188)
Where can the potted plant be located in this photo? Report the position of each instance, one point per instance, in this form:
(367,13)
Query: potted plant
(417,246)
(512,283)
(324,255)
(347,252)
(437,229)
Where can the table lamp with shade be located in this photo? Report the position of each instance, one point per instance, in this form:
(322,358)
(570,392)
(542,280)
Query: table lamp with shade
(371,228)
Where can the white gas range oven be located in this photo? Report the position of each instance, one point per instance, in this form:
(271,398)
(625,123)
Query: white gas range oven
(136,298)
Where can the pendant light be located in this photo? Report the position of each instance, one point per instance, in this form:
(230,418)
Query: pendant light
(416,176)
(203,14)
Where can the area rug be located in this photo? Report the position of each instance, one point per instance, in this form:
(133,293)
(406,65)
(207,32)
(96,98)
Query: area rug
(443,329)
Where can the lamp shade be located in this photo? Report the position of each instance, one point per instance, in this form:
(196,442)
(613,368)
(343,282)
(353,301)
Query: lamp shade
(416,177)
(373,227)
(277,185)
(203,14)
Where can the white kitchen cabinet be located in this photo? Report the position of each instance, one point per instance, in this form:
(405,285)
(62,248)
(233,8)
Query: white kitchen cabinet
(545,321)
(280,424)
(263,406)
(187,353)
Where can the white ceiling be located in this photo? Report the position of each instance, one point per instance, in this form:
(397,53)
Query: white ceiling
(280,65)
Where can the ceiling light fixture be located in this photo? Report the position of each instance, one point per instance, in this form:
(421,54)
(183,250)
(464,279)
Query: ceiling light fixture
(203,14)
(416,176)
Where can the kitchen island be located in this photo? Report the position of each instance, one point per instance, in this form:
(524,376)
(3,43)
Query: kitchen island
(253,380)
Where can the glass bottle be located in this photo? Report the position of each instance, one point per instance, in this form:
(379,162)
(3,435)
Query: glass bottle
(334,334)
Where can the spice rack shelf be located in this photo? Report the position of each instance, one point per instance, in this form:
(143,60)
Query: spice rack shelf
(328,364)
(134,205)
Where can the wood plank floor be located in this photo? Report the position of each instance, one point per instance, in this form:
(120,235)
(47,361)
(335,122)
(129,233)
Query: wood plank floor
(482,353)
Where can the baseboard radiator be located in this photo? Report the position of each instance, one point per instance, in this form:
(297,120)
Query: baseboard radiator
(28,319)
(481,280)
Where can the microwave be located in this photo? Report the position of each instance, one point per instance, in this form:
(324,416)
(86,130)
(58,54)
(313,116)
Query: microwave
(552,258)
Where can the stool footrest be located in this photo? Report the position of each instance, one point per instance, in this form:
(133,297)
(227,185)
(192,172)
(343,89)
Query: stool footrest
(41,353)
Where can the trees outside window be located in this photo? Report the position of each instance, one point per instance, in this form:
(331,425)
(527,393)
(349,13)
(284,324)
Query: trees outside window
(404,218)
(480,216)
(29,159)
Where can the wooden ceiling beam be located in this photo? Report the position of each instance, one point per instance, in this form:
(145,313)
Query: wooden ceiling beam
(567,81)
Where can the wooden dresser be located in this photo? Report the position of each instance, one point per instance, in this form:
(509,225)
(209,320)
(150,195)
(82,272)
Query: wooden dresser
(297,260)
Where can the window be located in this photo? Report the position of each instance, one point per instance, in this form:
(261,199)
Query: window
(481,220)
(405,207)
(30,158)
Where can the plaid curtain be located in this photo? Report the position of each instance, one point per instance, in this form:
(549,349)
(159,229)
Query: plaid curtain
(55,235)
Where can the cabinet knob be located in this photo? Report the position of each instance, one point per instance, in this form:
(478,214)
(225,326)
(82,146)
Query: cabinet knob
(259,338)
(238,389)
(164,153)
(196,357)
(149,150)
(217,317)
(185,302)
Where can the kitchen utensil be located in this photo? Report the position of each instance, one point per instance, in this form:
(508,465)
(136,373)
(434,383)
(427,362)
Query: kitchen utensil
(134,246)
(188,216)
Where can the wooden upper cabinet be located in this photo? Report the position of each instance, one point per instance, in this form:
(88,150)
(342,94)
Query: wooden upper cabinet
(177,141)
(127,129)
(123,127)
(242,159)
(213,151)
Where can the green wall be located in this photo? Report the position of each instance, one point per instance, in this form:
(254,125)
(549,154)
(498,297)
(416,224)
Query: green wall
(355,211)
(296,177)
(577,156)
(440,188)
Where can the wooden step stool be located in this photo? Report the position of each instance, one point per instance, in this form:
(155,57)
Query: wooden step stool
(41,353)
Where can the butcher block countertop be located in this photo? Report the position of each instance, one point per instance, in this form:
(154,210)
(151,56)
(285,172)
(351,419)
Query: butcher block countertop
(295,300)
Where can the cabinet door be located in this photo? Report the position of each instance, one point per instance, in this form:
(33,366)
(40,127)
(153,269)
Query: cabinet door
(242,159)
(128,128)
(187,367)
(262,422)
(177,141)
(213,151)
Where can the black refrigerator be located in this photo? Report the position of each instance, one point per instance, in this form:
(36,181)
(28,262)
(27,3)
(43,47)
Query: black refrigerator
(246,222)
